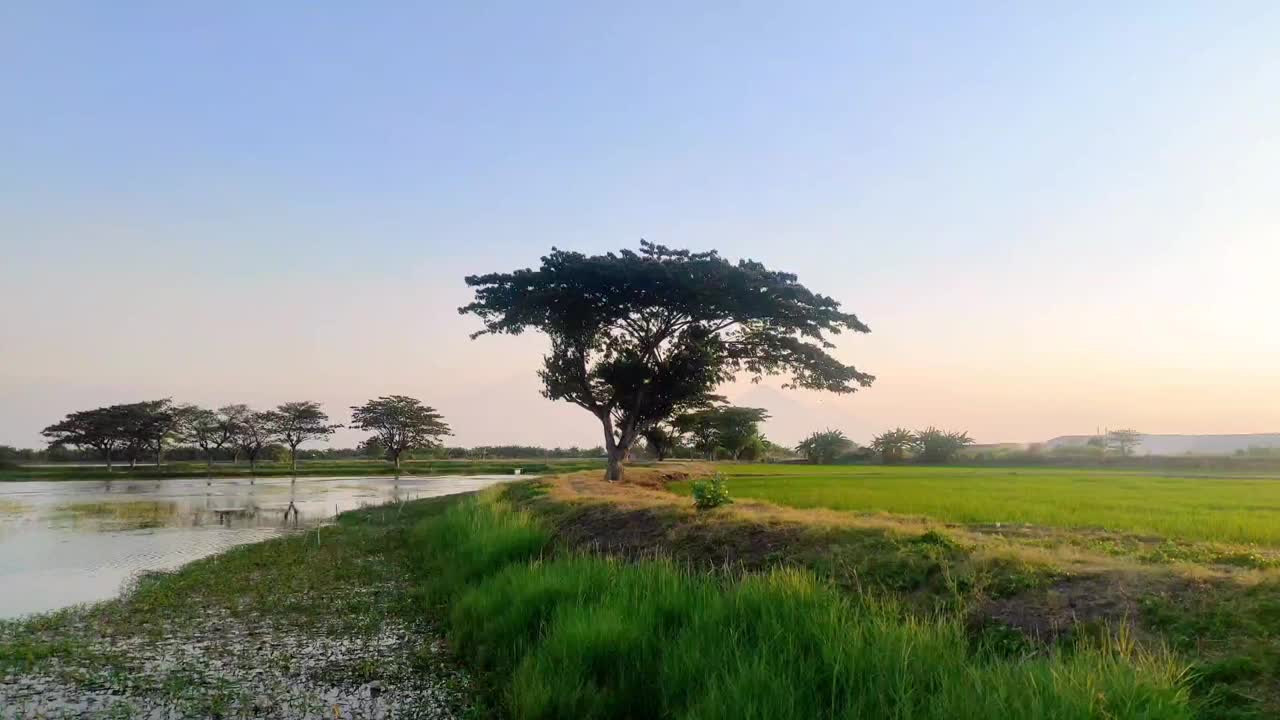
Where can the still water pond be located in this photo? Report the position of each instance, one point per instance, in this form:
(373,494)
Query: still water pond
(69,542)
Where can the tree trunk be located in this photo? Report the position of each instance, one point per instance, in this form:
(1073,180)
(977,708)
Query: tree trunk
(396,457)
(108,461)
(613,472)
(293,458)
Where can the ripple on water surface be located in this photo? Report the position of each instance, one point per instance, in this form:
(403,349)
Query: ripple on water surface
(63,543)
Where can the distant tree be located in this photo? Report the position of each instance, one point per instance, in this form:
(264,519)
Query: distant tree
(738,428)
(372,447)
(661,440)
(207,429)
(640,337)
(279,453)
(892,445)
(148,427)
(294,423)
(251,431)
(932,445)
(400,423)
(701,429)
(754,449)
(770,450)
(100,429)
(721,427)
(9,456)
(822,448)
(1123,441)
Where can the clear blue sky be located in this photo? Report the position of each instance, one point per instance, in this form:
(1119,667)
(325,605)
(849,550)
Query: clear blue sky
(1053,218)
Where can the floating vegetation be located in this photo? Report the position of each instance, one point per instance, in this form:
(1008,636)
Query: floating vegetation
(131,514)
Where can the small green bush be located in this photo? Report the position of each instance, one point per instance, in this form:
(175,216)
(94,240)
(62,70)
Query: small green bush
(708,494)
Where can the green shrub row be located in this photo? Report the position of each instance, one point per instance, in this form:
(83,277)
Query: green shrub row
(576,636)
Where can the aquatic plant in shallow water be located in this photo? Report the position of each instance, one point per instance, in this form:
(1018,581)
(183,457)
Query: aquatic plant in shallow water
(128,514)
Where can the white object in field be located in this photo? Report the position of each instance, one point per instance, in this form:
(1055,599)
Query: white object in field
(519,471)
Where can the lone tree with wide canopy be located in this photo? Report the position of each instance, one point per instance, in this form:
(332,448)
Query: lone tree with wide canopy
(294,423)
(101,429)
(400,423)
(639,337)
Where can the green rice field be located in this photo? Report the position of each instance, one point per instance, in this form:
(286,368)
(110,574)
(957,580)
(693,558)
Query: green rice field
(1225,508)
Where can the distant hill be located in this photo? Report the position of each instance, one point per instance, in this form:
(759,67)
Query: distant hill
(1184,444)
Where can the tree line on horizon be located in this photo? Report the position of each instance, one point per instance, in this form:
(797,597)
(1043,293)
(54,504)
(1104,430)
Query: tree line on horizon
(640,339)
(930,445)
(368,449)
(935,446)
(712,432)
(131,431)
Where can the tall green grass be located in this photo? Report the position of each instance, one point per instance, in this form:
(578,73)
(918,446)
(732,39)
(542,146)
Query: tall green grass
(1216,508)
(588,637)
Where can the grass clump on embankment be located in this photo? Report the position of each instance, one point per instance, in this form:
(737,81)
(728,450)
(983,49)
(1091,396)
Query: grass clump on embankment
(577,636)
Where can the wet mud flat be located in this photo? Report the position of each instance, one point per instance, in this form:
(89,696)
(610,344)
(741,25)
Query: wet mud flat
(226,668)
(315,625)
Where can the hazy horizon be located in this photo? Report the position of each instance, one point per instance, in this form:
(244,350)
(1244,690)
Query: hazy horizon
(1053,220)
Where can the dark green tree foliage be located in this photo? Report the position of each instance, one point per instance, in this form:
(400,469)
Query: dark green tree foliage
(251,431)
(932,445)
(639,337)
(701,429)
(825,447)
(148,426)
(892,445)
(756,448)
(101,429)
(400,423)
(294,423)
(661,440)
(132,429)
(727,428)
(739,428)
(372,447)
(207,429)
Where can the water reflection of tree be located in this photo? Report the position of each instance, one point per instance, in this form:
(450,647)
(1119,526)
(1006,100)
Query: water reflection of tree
(292,508)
